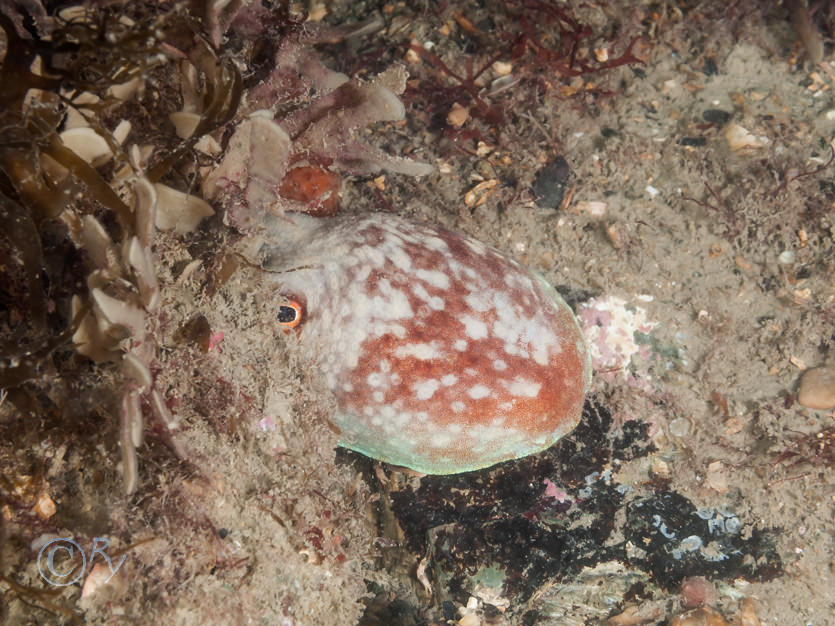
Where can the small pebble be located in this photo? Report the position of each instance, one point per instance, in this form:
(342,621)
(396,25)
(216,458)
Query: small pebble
(697,591)
(97,577)
(502,68)
(716,477)
(786,257)
(470,619)
(45,506)
(196,331)
(594,208)
(637,615)
(716,116)
(660,469)
(550,183)
(680,427)
(457,115)
(817,388)
(740,138)
(448,608)
(748,613)
(615,233)
(703,616)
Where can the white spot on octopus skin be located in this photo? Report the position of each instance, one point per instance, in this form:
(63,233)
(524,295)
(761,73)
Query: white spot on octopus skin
(449,380)
(436,303)
(441,440)
(499,365)
(434,243)
(476,246)
(392,305)
(541,338)
(420,291)
(372,255)
(426,389)
(524,388)
(477,302)
(397,330)
(398,256)
(421,351)
(540,354)
(477,392)
(475,329)
(458,406)
(455,267)
(460,345)
(436,279)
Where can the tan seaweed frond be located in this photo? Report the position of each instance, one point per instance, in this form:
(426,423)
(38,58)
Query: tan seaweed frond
(61,162)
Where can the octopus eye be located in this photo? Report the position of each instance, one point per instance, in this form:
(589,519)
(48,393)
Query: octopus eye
(289,314)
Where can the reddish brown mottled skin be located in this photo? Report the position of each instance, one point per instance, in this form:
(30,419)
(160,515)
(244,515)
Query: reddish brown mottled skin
(315,187)
(443,354)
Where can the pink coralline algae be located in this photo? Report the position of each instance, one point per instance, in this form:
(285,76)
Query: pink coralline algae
(611,327)
(443,355)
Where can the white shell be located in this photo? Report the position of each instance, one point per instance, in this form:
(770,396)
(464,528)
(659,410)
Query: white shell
(179,211)
(88,145)
(740,138)
(185,123)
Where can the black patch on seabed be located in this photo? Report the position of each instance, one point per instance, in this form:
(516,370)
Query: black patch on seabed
(501,518)
(664,522)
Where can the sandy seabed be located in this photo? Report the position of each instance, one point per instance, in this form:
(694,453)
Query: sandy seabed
(683,205)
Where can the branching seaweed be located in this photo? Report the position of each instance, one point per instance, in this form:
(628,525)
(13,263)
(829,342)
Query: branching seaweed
(40,599)
(815,450)
(534,54)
